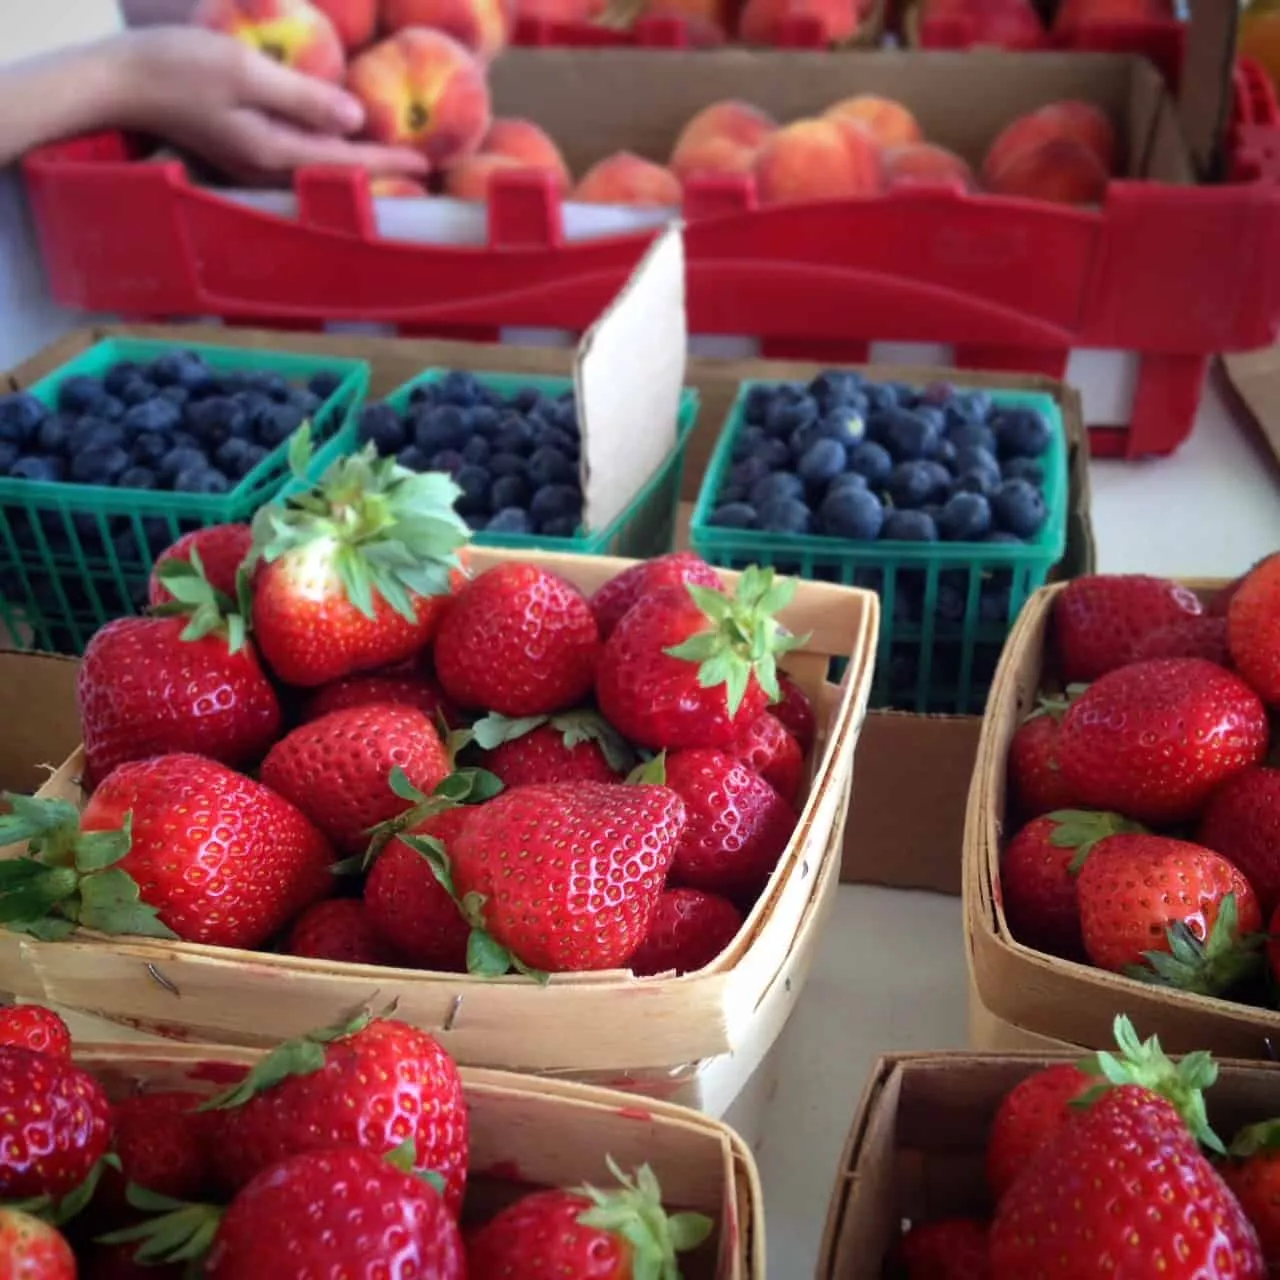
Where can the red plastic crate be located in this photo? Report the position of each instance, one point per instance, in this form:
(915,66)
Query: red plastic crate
(1254,133)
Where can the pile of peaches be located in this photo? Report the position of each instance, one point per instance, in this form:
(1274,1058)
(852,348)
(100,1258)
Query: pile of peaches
(1016,24)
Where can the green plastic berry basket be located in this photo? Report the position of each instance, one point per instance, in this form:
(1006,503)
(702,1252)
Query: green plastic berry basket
(75,556)
(647,526)
(945,607)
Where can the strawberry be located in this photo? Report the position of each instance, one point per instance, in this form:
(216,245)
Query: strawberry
(341,1212)
(1202,637)
(1097,619)
(409,907)
(1167,912)
(690,928)
(33,1250)
(768,749)
(795,711)
(1253,1174)
(615,599)
(1253,629)
(340,930)
(407,689)
(620,1234)
(1154,739)
(29,1026)
(221,549)
(1030,1116)
(1122,1190)
(188,682)
(55,1124)
(357,569)
(163,1142)
(518,640)
(565,877)
(1035,777)
(575,746)
(691,667)
(175,846)
(948,1249)
(1038,877)
(353,752)
(119,1262)
(372,1082)
(736,825)
(1242,822)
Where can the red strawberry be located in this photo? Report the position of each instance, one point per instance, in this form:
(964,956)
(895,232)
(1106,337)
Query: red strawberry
(352,753)
(409,907)
(151,686)
(576,746)
(1168,912)
(357,569)
(373,1083)
(33,1250)
(737,825)
(1038,877)
(612,601)
(948,1249)
(1035,777)
(1219,603)
(339,930)
(221,549)
(55,1124)
(163,1143)
(690,667)
(407,689)
(1253,629)
(690,928)
(796,712)
(119,1262)
(768,749)
(1154,739)
(1097,619)
(1253,1174)
(29,1026)
(1086,1206)
(342,1212)
(613,1235)
(518,640)
(569,873)
(1030,1116)
(1242,822)
(172,846)
(1187,638)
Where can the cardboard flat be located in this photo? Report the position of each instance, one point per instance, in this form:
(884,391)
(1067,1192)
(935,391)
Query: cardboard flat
(1253,380)
(39,721)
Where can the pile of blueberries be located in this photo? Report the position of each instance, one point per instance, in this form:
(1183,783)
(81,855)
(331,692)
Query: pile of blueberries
(172,423)
(514,457)
(844,457)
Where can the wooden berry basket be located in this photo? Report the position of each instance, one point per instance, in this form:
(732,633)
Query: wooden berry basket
(528,1133)
(696,1039)
(1024,999)
(917,1144)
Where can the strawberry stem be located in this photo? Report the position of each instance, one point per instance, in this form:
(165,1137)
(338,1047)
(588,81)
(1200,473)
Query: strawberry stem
(177,1231)
(463,786)
(1222,961)
(194,597)
(1082,829)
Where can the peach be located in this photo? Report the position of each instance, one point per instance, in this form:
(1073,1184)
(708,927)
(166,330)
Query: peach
(483,26)
(1006,24)
(356,21)
(469,180)
(1079,122)
(1073,12)
(888,122)
(702,30)
(923,164)
(626,178)
(293,32)
(390,186)
(820,159)
(1062,170)
(764,21)
(721,138)
(568,11)
(527,145)
(422,89)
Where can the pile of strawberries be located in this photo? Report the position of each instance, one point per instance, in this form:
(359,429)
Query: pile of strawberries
(1151,844)
(331,738)
(1111,1168)
(344,1153)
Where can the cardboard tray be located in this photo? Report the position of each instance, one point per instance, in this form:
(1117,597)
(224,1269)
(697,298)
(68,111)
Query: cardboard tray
(552,1132)
(917,1142)
(1039,994)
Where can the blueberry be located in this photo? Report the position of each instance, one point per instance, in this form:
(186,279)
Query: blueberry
(835,386)
(110,408)
(946,454)
(550,466)
(138,391)
(802,437)
(216,419)
(966,517)
(461,388)
(822,462)
(872,461)
(9,454)
(881,396)
(774,452)
(746,441)
(476,450)
(748,471)
(174,395)
(554,438)
(912,484)
(474,482)
(507,464)
(32,467)
(439,427)
(908,526)
(1028,469)
(137,478)
(254,456)
(785,415)
(982,482)
(972,435)
(159,414)
(975,458)
(510,520)
(731,493)
(324,383)
(119,374)
(509,491)
(185,440)
(425,393)
(1002,535)
(844,425)
(230,457)
(950,604)
(181,461)
(448,460)
(306,402)
(909,435)
(734,515)
(94,431)
(484,420)
(553,500)
(779,486)
(1021,432)
(755,406)
(993,603)
(202,479)
(271,385)
(514,435)
(99,464)
(414,459)
(146,451)
(1018,507)
(273,424)
(80,394)
(853,513)
(847,480)
(785,515)
(52,435)
(20,415)
(182,369)
(968,407)
(381,425)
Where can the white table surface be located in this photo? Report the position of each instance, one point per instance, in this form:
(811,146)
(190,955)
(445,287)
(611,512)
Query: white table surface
(890,973)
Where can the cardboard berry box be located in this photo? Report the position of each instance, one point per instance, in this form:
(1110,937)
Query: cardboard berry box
(528,1134)
(916,1147)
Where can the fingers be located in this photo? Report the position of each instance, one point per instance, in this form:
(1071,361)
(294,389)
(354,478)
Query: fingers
(299,99)
(267,146)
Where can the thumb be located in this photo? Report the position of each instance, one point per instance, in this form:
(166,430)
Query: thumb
(300,99)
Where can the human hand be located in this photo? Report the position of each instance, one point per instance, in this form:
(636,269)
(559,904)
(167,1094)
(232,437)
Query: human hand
(242,112)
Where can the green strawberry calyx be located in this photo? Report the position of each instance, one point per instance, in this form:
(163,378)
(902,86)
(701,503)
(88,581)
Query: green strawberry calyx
(649,773)
(176,1231)
(574,727)
(69,878)
(1254,1139)
(634,1211)
(405,1158)
(209,610)
(59,1212)
(1082,829)
(1144,1063)
(392,532)
(1222,961)
(743,638)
